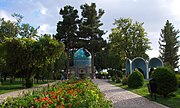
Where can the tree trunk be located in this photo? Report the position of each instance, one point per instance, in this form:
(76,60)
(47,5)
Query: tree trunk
(67,65)
(92,65)
(1,79)
(37,80)
(5,77)
(29,80)
(12,79)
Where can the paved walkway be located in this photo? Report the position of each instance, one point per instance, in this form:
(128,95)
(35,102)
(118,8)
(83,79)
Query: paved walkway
(122,98)
(21,92)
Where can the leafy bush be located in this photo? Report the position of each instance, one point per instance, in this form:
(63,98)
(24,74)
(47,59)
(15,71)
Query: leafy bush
(115,73)
(118,80)
(124,80)
(136,79)
(166,81)
(113,78)
(68,94)
(178,78)
(111,73)
(119,74)
(29,83)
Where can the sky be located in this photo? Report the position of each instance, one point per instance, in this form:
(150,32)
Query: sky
(45,13)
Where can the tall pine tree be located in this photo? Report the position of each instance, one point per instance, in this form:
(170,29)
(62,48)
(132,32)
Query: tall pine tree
(169,45)
(67,28)
(90,34)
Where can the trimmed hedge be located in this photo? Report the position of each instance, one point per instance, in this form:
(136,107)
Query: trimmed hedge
(124,80)
(136,79)
(166,81)
(118,80)
(113,78)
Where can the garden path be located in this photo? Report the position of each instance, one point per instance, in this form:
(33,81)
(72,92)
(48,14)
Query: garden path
(20,92)
(122,98)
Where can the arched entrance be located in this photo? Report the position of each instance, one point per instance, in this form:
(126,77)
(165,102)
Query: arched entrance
(140,64)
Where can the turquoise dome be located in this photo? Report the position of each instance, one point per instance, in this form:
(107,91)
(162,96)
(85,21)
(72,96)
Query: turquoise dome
(82,54)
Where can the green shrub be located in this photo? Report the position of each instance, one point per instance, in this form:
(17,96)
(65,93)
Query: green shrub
(178,78)
(166,81)
(124,80)
(118,80)
(111,73)
(29,83)
(113,78)
(119,74)
(136,79)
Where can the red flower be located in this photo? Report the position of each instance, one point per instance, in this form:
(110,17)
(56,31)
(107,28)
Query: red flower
(36,99)
(54,97)
(45,98)
(70,105)
(67,99)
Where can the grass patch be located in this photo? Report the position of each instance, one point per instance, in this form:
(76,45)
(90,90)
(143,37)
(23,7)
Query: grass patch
(170,101)
(16,85)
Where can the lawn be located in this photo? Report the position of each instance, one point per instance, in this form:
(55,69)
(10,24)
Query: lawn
(171,101)
(16,85)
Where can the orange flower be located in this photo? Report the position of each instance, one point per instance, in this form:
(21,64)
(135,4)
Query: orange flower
(59,91)
(54,97)
(70,105)
(36,99)
(45,98)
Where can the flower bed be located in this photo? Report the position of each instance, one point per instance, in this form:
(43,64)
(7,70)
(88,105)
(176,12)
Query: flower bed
(68,94)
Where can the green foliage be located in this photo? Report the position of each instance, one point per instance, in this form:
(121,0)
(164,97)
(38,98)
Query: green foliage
(8,29)
(119,74)
(68,94)
(111,73)
(67,28)
(129,39)
(124,80)
(166,81)
(27,31)
(90,34)
(118,80)
(67,31)
(169,43)
(25,54)
(113,78)
(178,78)
(115,73)
(29,83)
(136,79)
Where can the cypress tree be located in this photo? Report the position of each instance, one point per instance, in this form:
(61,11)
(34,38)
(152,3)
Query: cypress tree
(168,42)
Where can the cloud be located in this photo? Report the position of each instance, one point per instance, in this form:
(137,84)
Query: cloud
(152,53)
(45,29)
(43,10)
(6,16)
(175,7)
